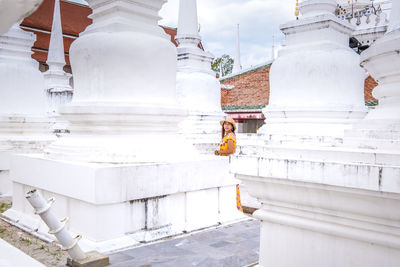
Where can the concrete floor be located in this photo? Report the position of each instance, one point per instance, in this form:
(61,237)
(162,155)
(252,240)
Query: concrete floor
(235,245)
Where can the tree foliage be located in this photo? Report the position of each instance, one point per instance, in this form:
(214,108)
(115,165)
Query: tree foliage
(226,62)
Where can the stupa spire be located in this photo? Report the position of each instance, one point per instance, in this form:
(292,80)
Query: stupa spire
(188,26)
(273,48)
(57,80)
(197,88)
(190,56)
(237,67)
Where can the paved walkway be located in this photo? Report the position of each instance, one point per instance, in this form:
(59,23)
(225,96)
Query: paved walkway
(235,245)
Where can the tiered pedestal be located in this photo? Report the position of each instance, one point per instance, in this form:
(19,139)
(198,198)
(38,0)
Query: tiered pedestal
(118,205)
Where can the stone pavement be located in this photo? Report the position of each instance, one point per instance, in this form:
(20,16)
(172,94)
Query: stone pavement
(234,245)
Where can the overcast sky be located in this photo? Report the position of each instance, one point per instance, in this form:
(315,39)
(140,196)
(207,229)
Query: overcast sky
(258,19)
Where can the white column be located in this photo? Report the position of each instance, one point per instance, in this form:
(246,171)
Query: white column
(237,66)
(124,107)
(13,11)
(187,23)
(381,127)
(190,57)
(58,88)
(23,123)
(312,93)
(273,48)
(21,79)
(198,89)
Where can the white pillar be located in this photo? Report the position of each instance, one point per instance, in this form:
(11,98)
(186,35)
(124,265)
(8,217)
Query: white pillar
(58,88)
(126,89)
(198,89)
(187,23)
(13,11)
(273,48)
(312,93)
(22,82)
(237,66)
(381,127)
(23,123)
(190,57)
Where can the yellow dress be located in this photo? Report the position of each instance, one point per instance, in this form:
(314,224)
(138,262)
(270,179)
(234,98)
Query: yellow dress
(224,146)
(224,143)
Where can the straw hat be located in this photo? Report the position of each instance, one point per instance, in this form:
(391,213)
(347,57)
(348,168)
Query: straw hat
(231,121)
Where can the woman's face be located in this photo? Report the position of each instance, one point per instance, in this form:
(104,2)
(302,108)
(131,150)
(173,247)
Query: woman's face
(228,127)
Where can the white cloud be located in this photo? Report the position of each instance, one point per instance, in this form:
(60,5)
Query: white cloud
(258,19)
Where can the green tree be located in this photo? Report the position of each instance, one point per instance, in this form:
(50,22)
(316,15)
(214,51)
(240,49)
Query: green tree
(225,62)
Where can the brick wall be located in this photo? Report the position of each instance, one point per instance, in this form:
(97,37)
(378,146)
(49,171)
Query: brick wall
(369,85)
(250,88)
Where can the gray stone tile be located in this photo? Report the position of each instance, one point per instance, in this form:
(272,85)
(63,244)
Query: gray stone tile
(247,245)
(185,261)
(242,226)
(185,242)
(140,252)
(209,262)
(141,262)
(221,244)
(119,257)
(208,251)
(130,264)
(210,235)
(234,261)
(170,249)
(250,233)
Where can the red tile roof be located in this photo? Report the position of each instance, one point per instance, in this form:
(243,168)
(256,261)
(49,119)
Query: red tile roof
(74,19)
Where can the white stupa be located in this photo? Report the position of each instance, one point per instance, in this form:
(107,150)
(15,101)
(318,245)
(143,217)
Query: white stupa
(316,84)
(124,157)
(328,204)
(198,89)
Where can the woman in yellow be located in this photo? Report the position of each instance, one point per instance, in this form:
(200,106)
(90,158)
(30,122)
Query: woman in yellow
(228,147)
(228,144)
